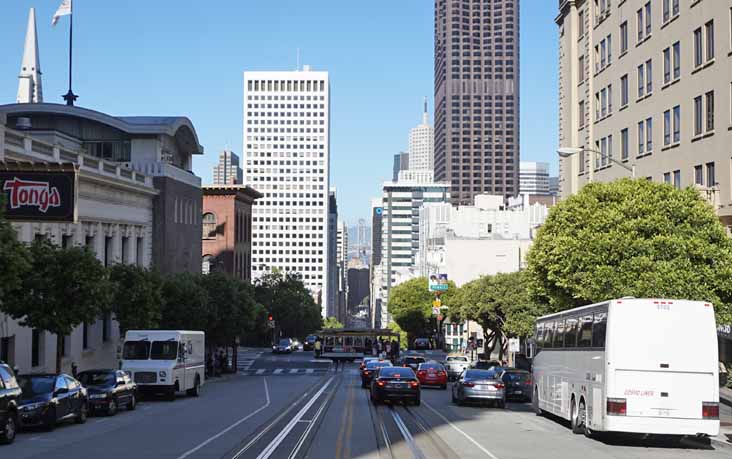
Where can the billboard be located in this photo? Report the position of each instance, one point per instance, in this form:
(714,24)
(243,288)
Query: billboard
(437,282)
(39,192)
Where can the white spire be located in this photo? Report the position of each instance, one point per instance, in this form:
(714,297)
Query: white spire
(425,116)
(30,89)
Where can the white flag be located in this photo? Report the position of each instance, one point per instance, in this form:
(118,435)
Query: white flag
(63,10)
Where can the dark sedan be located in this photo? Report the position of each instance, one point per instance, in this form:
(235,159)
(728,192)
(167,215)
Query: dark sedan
(283,347)
(518,384)
(49,398)
(368,372)
(396,383)
(309,343)
(108,390)
(10,395)
(413,361)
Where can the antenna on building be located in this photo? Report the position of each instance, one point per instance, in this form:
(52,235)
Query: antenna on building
(425,116)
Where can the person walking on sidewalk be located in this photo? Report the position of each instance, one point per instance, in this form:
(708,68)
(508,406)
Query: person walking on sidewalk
(317,348)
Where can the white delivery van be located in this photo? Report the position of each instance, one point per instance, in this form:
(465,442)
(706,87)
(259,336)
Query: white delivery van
(165,361)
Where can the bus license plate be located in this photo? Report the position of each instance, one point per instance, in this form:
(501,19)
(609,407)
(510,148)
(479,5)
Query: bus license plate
(664,412)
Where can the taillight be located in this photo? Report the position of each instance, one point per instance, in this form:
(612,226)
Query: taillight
(421,372)
(440,373)
(529,382)
(366,372)
(710,410)
(617,407)
(414,384)
(499,386)
(380,383)
(468,384)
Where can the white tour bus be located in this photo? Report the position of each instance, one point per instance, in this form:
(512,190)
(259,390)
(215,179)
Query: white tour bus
(646,366)
(165,361)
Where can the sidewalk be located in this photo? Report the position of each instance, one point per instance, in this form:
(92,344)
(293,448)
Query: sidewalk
(724,439)
(725,396)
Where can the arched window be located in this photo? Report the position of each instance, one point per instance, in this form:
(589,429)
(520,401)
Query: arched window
(207,264)
(209,226)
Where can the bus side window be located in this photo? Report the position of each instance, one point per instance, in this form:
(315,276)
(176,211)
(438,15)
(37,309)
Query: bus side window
(548,334)
(559,334)
(585,334)
(598,330)
(570,333)
(539,338)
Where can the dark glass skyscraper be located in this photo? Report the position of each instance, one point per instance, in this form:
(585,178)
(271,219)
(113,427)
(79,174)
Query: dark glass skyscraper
(477,97)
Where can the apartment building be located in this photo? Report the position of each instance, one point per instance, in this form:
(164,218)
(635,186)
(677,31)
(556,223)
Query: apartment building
(647,84)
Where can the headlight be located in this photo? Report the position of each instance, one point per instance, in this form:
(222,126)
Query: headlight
(33,406)
(162,374)
(97,396)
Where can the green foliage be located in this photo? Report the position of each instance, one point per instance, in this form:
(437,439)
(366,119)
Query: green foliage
(403,338)
(14,258)
(410,304)
(136,298)
(332,322)
(185,304)
(290,303)
(632,238)
(62,289)
(230,306)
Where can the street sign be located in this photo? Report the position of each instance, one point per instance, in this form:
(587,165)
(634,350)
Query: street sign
(439,317)
(437,283)
(514,345)
(437,303)
(435,311)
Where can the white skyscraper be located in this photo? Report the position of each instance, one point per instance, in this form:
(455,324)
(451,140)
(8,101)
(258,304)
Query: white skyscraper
(422,144)
(534,177)
(30,90)
(287,158)
(228,170)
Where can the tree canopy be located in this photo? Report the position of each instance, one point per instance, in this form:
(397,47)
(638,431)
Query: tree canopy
(288,300)
(14,261)
(410,304)
(632,238)
(185,304)
(332,322)
(136,298)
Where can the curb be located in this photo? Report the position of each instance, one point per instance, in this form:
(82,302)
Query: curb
(716,442)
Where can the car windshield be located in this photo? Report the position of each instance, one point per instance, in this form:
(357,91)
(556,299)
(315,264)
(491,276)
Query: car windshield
(413,360)
(430,366)
(311,339)
(396,372)
(97,378)
(457,359)
(136,350)
(517,377)
(481,374)
(164,350)
(486,364)
(372,365)
(284,342)
(36,385)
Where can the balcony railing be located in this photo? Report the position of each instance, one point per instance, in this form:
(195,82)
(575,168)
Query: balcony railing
(162,169)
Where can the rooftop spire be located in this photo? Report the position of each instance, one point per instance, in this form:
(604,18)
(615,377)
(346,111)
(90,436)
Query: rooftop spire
(425,116)
(30,90)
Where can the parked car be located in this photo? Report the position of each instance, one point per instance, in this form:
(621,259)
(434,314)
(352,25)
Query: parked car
(480,385)
(518,384)
(283,347)
(412,361)
(455,365)
(368,372)
(108,390)
(309,343)
(485,364)
(10,396)
(422,344)
(432,374)
(396,383)
(48,399)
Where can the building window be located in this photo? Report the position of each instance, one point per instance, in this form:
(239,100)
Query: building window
(206,264)
(697,115)
(649,77)
(623,37)
(667,65)
(677,124)
(698,175)
(641,138)
(581,23)
(677,179)
(677,60)
(709,35)
(623,91)
(581,114)
(667,177)
(648,18)
(624,144)
(108,249)
(639,23)
(649,135)
(667,127)
(209,226)
(125,250)
(698,47)
(36,336)
(711,177)
(581,68)
(641,82)
(710,111)
(139,252)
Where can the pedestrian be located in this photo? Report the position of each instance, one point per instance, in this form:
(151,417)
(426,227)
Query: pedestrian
(375,349)
(395,349)
(381,346)
(388,349)
(317,348)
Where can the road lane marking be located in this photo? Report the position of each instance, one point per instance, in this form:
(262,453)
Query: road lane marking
(310,426)
(275,443)
(416,453)
(261,371)
(234,425)
(294,370)
(277,371)
(309,370)
(470,439)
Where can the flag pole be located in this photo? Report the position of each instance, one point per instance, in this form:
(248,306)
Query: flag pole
(70,97)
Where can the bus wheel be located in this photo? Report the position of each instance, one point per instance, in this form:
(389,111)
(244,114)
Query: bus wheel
(535,402)
(578,418)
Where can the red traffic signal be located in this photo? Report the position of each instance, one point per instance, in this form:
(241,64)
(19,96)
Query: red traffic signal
(269,317)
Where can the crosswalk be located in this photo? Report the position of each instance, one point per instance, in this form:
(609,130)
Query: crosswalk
(283,371)
(245,361)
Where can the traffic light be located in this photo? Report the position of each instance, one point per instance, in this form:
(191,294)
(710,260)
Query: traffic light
(269,317)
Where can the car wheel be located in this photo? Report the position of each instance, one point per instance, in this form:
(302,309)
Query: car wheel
(83,411)
(502,404)
(112,409)
(9,429)
(50,422)
(132,403)
(170,394)
(196,390)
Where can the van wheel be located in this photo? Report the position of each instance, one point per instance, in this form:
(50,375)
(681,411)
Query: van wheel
(133,403)
(535,402)
(196,391)
(170,394)
(9,429)
(578,417)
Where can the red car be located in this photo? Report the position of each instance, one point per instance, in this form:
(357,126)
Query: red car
(432,374)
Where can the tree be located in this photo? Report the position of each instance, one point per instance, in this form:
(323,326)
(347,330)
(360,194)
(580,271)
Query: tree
(501,305)
(632,238)
(332,322)
(292,306)
(62,289)
(14,258)
(136,298)
(410,304)
(185,304)
(231,307)
(403,339)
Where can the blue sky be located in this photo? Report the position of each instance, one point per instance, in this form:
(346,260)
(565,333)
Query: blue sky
(186,57)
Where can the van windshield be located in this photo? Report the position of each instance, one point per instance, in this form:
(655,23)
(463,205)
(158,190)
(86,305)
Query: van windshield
(164,350)
(136,350)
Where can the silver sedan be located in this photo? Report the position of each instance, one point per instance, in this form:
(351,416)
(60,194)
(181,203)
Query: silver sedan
(480,385)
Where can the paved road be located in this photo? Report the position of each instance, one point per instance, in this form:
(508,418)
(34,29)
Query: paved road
(324,414)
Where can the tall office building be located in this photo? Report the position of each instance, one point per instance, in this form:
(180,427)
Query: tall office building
(477,97)
(287,156)
(401,163)
(647,84)
(534,178)
(227,171)
(422,144)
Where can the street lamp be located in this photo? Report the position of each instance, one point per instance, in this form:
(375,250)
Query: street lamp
(567,152)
